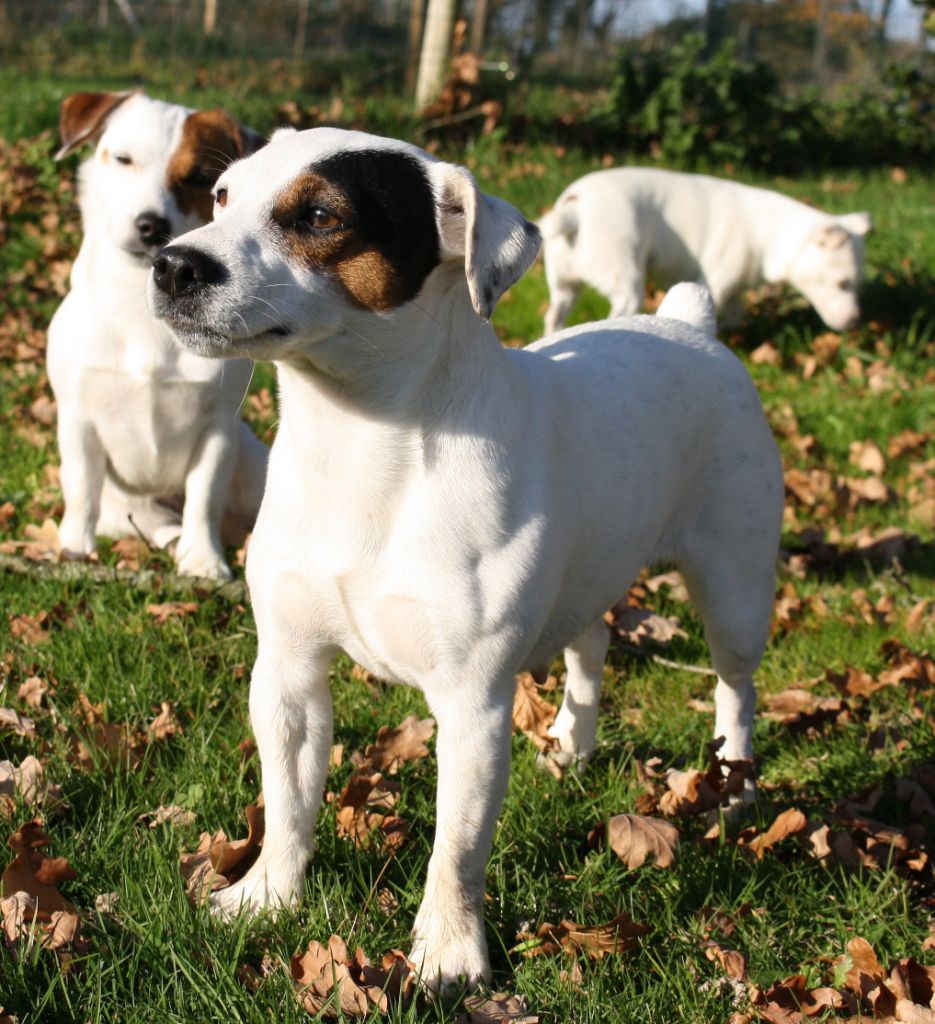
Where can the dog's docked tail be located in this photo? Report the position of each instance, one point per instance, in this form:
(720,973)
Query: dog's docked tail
(691,303)
(561,220)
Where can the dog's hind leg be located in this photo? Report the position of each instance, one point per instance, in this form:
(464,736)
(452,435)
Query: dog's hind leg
(127,515)
(733,592)
(575,726)
(474,729)
(562,298)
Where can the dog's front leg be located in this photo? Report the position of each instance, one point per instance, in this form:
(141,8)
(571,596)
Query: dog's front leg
(473,769)
(84,464)
(291,715)
(199,551)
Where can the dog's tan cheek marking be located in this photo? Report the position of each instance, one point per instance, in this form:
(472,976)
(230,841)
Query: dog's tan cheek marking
(370,281)
(210,141)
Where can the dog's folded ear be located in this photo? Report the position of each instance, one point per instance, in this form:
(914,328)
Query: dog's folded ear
(83,115)
(495,240)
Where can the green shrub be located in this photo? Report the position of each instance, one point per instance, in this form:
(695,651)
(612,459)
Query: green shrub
(693,110)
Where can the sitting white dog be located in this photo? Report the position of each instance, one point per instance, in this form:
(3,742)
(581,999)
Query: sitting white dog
(142,422)
(608,228)
(445,510)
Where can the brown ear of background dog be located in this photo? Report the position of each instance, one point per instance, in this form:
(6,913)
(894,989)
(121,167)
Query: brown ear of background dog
(83,115)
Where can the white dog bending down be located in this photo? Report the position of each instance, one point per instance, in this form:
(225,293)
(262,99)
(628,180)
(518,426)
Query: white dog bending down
(141,421)
(421,468)
(609,227)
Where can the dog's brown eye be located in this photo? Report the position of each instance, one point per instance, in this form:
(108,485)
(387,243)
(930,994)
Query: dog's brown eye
(220,197)
(320,219)
(122,158)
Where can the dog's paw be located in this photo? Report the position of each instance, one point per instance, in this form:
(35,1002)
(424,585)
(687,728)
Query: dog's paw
(255,893)
(576,733)
(207,564)
(450,968)
(556,762)
(76,543)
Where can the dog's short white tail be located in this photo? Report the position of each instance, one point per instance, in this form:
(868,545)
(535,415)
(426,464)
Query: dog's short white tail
(562,219)
(691,303)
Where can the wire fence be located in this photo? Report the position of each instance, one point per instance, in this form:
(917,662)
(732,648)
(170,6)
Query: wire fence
(827,41)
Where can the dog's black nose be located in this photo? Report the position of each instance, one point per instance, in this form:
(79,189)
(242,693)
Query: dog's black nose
(153,229)
(182,270)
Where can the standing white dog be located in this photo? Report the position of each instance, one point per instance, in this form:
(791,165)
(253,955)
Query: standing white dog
(449,512)
(609,227)
(141,421)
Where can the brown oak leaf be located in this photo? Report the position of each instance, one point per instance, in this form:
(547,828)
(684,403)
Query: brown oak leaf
(393,747)
(635,837)
(788,823)
(532,714)
(34,873)
(218,861)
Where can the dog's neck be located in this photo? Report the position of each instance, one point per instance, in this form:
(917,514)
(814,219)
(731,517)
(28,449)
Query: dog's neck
(394,380)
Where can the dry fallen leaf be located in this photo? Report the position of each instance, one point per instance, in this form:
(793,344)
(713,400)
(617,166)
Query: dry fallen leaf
(330,982)
(218,861)
(393,747)
(34,873)
(695,792)
(637,624)
(165,724)
(31,629)
(13,721)
(788,823)
(635,837)
(161,613)
(532,714)
(168,814)
(116,744)
(867,456)
(131,552)
(28,781)
(617,936)
(362,807)
(732,961)
(499,1008)
(33,690)
(790,1000)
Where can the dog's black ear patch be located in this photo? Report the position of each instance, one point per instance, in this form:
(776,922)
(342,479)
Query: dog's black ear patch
(386,241)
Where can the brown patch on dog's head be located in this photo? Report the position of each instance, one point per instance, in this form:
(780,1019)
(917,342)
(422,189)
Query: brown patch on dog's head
(367,219)
(82,117)
(211,140)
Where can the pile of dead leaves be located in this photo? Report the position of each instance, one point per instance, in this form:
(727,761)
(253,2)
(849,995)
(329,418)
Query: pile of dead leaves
(334,984)
(903,993)
(40,208)
(680,793)
(365,803)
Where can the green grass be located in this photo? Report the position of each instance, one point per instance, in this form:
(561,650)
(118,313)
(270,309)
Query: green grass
(160,960)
